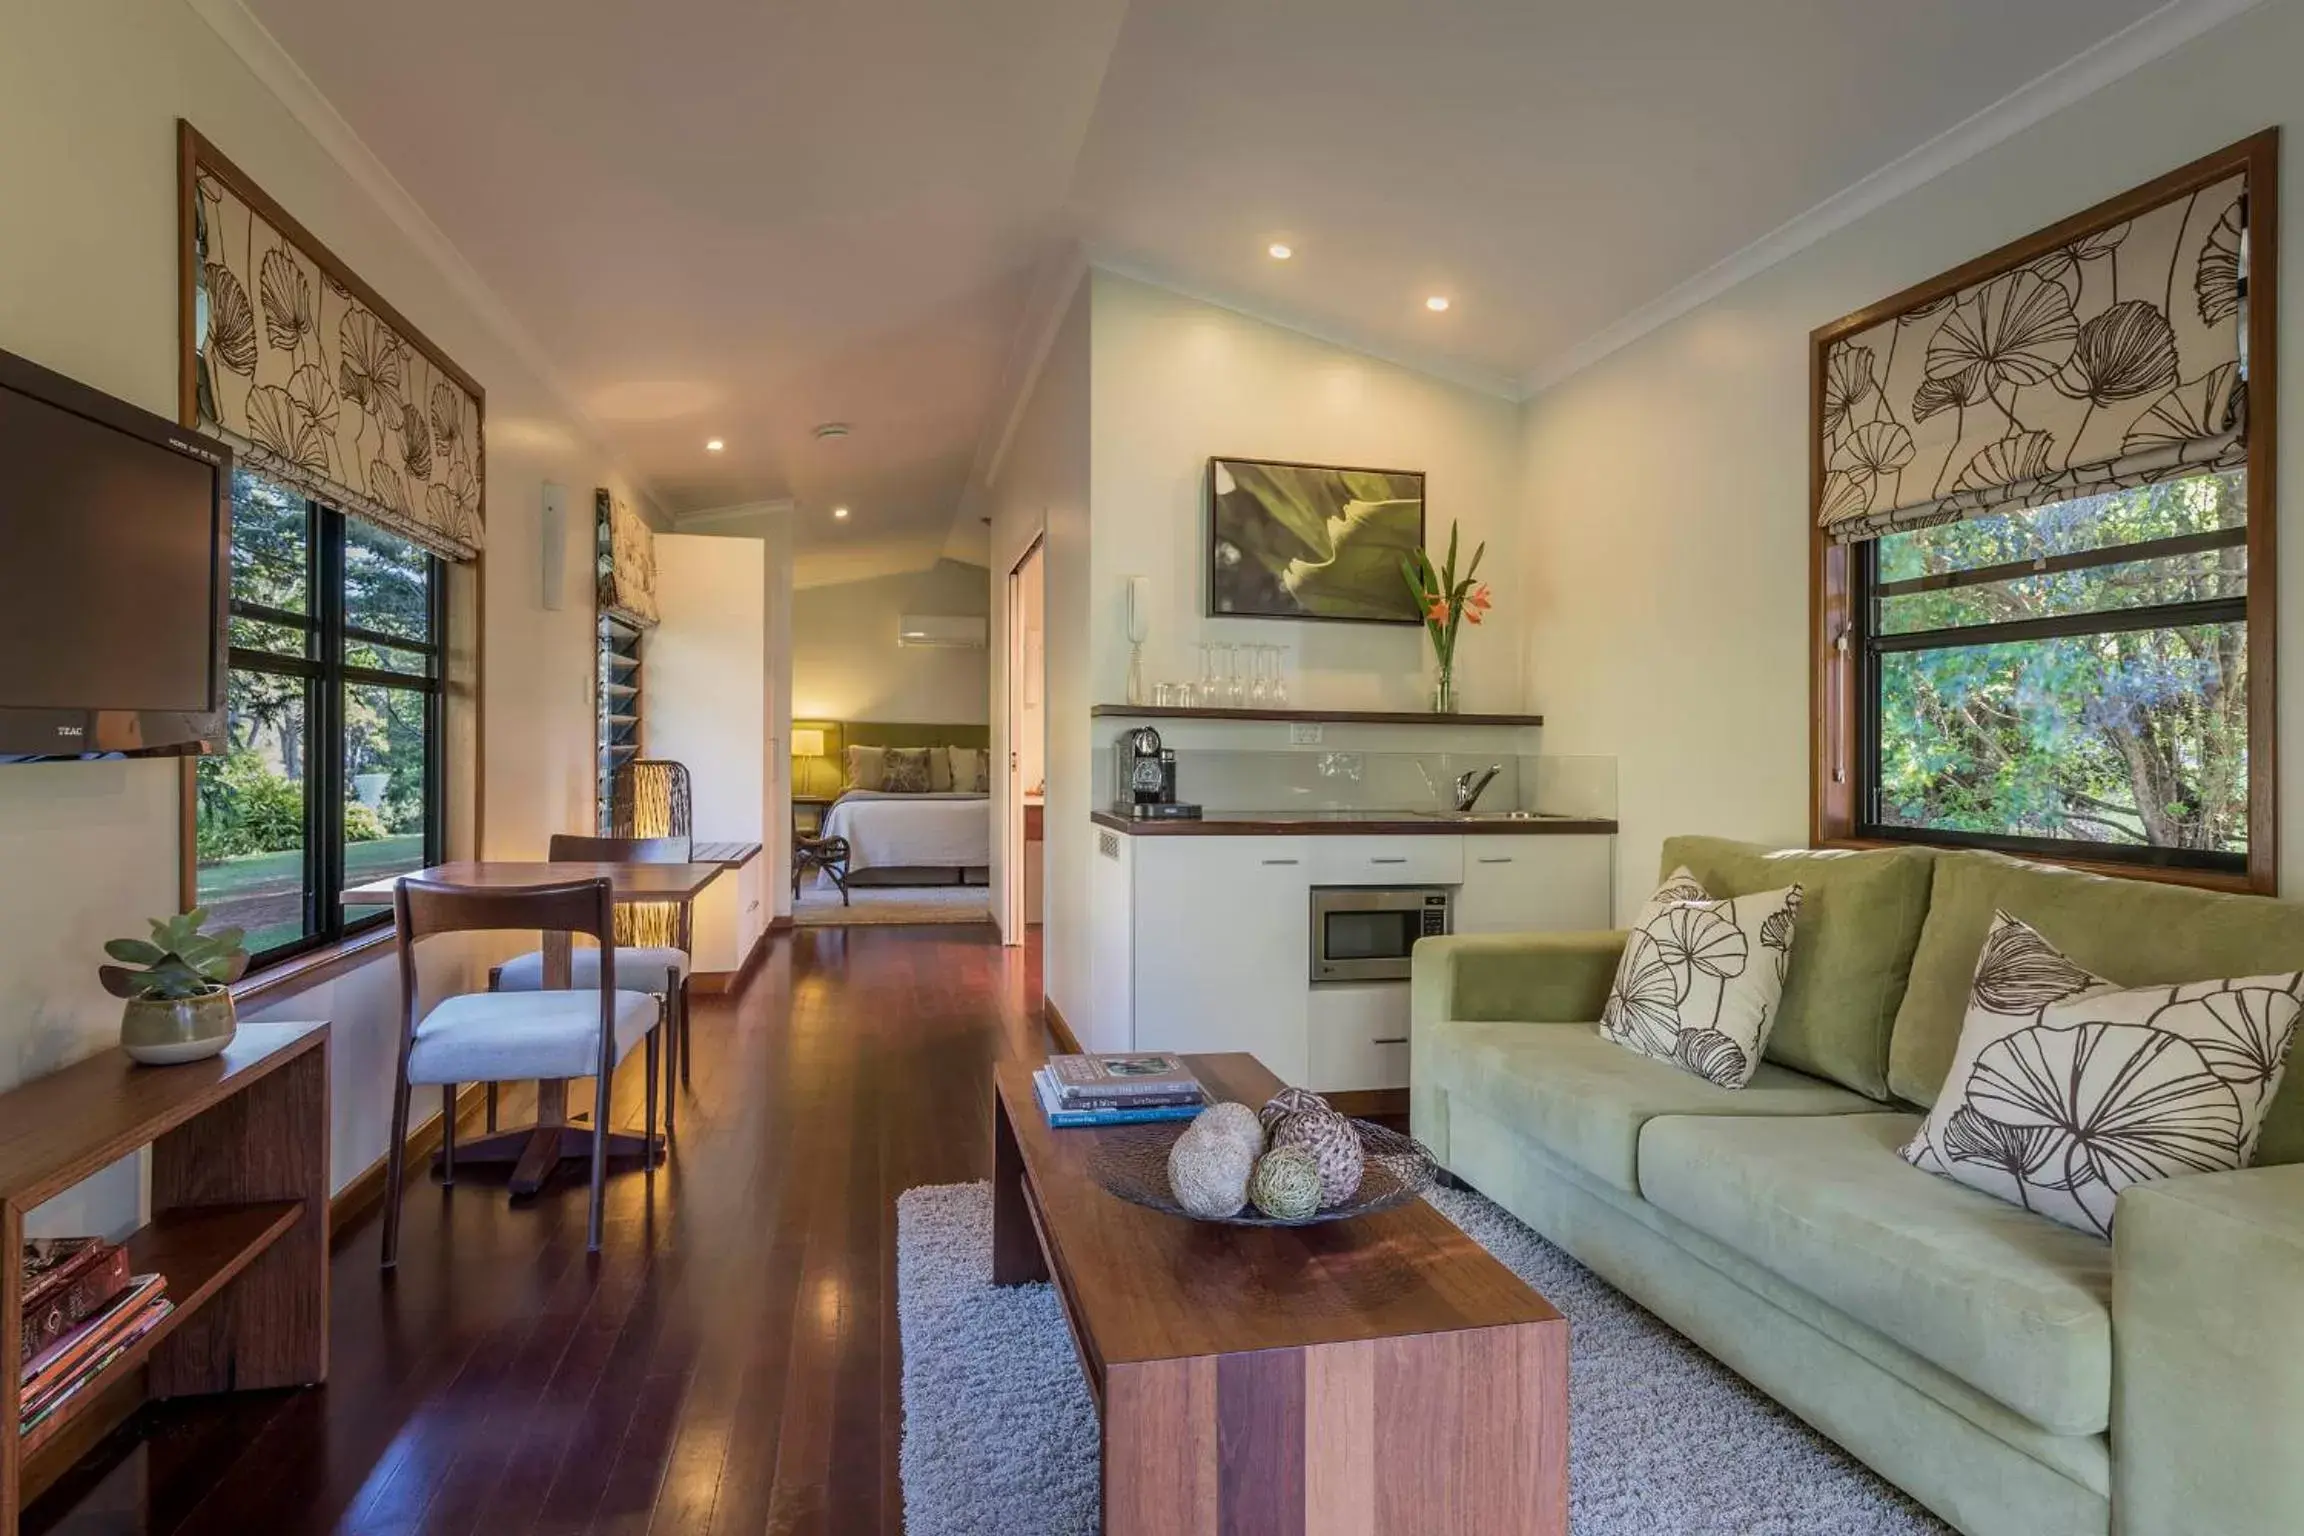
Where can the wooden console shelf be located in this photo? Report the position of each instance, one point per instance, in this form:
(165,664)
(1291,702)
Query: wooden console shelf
(1311,716)
(239,1179)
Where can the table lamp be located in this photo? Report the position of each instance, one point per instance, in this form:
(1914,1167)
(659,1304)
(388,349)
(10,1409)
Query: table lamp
(808,742)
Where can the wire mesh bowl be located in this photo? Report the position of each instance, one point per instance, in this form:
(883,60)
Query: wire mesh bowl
(1132,1162)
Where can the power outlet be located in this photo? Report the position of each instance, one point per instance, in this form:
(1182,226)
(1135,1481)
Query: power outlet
(1304,733)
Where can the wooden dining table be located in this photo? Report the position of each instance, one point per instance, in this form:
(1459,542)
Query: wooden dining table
(536,1151)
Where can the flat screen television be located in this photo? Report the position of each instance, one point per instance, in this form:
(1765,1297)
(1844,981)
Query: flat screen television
(115,572)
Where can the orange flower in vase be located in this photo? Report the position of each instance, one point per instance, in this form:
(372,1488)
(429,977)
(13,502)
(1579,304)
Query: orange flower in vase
(1447,600)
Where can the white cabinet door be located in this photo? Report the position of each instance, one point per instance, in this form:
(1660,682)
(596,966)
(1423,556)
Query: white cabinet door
(1358,1035)
(1534,883)
(1224,947)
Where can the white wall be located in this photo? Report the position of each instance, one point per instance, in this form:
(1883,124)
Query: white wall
(1176,380)
(89,96)
(1666,488)
(707,694)
(846,664)
(1041,492)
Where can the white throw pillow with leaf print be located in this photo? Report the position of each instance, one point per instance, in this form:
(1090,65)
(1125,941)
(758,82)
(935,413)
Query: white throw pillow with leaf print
(1700,979)
(2067,1089)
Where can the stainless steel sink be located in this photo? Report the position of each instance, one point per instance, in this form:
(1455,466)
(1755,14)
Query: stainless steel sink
(1493,816)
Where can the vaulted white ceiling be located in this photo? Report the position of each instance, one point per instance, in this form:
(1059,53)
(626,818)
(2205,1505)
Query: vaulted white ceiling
(742,218)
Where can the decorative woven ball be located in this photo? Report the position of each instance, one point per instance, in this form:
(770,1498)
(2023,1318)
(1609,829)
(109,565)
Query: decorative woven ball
(1334,1143)
(1286,1184)
(1292,1101)
(1208,1173)
(1235,1122)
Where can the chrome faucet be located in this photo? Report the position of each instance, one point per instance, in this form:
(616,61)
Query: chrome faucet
(1471,782)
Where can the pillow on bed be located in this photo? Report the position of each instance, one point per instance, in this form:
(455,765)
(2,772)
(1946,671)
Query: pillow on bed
(940,769)
(971,769)
(904,771)
(867,766)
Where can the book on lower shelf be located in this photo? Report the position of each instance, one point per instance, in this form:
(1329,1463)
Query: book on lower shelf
(66,1282)
(58,1373)
(1064,1116)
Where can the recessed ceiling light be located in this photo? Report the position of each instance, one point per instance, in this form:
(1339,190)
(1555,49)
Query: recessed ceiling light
(839,511)
(1278,251)
(831,429)
(714,446)
(1436,303)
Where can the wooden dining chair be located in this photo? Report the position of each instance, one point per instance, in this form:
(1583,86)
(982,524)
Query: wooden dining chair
(491,1037)
(653,949)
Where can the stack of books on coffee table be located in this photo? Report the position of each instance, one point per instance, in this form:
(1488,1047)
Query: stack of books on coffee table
(82,1311)
(1123,1088)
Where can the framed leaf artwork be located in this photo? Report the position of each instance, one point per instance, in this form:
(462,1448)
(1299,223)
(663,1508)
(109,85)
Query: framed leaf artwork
(1312,541)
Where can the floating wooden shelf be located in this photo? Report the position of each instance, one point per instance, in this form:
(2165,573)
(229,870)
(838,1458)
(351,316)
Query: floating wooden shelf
(1312,716)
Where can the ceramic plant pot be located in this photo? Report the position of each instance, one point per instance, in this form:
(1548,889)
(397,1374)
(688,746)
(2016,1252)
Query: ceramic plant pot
(168,1031)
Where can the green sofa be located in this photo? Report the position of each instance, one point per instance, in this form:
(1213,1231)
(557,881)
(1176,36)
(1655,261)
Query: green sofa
(2017,1377)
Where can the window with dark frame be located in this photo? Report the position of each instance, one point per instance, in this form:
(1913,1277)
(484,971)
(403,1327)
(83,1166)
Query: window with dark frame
(332,773)
(2068,680)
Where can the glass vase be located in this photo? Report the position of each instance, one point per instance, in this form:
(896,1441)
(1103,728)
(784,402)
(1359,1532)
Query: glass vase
(1444,690)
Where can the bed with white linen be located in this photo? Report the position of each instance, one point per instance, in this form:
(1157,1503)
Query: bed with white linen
(948,830)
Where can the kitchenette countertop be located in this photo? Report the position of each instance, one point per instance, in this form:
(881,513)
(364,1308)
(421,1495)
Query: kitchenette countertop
(1372,822)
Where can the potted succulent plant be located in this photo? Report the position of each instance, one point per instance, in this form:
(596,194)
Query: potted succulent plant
(178,985)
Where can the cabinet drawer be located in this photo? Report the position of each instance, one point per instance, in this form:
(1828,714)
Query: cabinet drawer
(1358,1037)
(1412,860)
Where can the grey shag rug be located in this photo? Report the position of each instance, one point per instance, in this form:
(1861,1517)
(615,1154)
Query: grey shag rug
(1000,1438)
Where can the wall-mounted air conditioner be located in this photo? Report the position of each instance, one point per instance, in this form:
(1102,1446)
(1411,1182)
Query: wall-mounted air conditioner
(961,632)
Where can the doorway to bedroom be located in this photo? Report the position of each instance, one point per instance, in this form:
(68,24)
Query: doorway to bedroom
(1026,783)
(892,778)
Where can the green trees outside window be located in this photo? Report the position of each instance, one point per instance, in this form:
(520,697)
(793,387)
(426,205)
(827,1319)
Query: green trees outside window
(2069,679)
(332,775)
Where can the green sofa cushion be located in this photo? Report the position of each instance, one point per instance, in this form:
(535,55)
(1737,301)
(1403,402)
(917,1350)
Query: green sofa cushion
(2015,1305)
(1860,918)
(2135,932)
(1584,1099)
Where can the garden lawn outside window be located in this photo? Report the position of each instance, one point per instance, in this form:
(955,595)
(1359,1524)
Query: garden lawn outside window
(332,773)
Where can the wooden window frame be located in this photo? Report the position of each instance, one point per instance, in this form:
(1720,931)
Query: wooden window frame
(196,155)
(1836,703)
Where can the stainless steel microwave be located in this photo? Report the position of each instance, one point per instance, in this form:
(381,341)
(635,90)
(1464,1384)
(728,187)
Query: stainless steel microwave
(1362,933)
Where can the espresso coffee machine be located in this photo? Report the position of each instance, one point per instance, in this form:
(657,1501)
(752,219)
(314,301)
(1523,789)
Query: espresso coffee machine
(1144,779)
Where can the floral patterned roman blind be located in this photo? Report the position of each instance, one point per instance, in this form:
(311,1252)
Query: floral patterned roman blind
(627,559)
(2114,360)
(313,387)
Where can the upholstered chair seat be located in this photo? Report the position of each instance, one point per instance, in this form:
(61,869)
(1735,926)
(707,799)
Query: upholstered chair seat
(496,1037)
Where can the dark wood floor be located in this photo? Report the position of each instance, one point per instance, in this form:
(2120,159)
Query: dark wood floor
(728,1364)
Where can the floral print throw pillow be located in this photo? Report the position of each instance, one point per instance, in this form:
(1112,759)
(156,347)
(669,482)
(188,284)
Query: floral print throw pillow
(2066,1089)
(1700,979)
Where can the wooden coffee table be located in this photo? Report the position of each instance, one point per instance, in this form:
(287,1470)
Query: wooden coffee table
(1384,1376)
